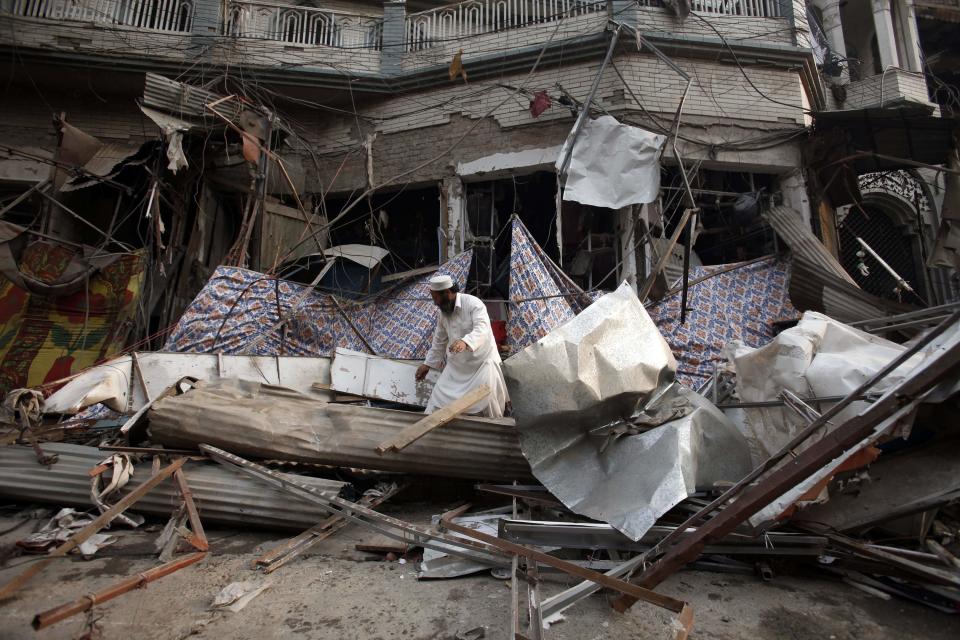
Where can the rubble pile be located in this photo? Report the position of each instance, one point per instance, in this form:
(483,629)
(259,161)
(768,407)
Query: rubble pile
(829,450)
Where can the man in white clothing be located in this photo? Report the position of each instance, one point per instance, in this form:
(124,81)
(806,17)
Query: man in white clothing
(464,336)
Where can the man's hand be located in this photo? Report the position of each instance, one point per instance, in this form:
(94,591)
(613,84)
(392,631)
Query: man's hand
(458,346)
(422,372)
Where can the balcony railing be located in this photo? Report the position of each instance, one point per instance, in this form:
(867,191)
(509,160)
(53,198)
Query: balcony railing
(158,15)
(746,8)
(474,17)
(302,25)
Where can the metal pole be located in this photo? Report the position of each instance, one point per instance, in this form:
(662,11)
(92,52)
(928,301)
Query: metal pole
(585,111)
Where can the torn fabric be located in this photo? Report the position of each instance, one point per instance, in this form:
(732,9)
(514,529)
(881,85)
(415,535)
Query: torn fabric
(237,310)
(542,297)
(47,338)
(578,395)
(613,165)
(724,303)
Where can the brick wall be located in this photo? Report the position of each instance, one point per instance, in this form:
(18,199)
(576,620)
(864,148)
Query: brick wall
(891,88)
(412,127)
(718,90)
(81,38)
(28,116)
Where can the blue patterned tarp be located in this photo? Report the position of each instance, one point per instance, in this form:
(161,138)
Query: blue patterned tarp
(542,297)
(740,304)
(236,310)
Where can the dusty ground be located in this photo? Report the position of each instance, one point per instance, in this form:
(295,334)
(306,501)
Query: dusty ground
(335,594)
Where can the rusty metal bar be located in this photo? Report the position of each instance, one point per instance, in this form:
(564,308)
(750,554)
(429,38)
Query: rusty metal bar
(284,553)
(801,437)
(55,615)
(78,538)
(387,525)
(639,593)
(896,402)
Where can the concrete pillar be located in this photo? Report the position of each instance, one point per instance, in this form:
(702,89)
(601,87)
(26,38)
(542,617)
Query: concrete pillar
(454,213)
(627,235)
(908,37)
(886,38)
(793,186)
(394,36)
(833,29)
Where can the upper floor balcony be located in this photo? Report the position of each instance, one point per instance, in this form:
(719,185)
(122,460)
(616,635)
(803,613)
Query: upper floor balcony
(371,43)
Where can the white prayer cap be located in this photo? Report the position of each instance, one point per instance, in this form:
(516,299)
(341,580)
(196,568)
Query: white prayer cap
(440,283)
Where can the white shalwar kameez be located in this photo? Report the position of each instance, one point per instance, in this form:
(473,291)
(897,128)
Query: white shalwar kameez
(478,364)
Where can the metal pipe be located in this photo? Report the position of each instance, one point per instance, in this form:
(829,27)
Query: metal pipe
(585,111)
(901,283)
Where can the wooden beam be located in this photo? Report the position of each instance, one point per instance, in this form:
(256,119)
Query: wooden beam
(197,537)
(436,419)
(81,536)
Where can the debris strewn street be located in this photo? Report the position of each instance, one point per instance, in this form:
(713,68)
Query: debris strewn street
(515,319)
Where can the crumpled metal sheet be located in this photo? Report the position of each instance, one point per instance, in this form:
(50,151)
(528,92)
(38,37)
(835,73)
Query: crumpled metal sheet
(819,357)
(223,496)
(591,374)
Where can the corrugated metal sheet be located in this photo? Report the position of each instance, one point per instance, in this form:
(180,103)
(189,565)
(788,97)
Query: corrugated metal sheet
(474,448)
(108,157)
(812,288)
(223,496)
(182,99)
(818,282)
(793,229)
(262,421)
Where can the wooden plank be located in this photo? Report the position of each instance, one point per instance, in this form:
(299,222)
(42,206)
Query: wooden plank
(436,419)
(385,546)
(197,538)
(81,536)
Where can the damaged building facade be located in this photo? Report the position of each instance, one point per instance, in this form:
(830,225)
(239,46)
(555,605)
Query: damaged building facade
(714,246)
(422,130)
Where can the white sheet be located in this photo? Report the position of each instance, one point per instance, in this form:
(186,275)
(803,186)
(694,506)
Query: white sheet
(613,165)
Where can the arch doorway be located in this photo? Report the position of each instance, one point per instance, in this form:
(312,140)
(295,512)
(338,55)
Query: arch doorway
(890,219)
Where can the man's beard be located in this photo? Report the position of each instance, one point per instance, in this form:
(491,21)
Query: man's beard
(448,305)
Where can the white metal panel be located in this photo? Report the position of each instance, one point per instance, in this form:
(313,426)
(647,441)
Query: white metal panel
(160,369)
(370,376)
